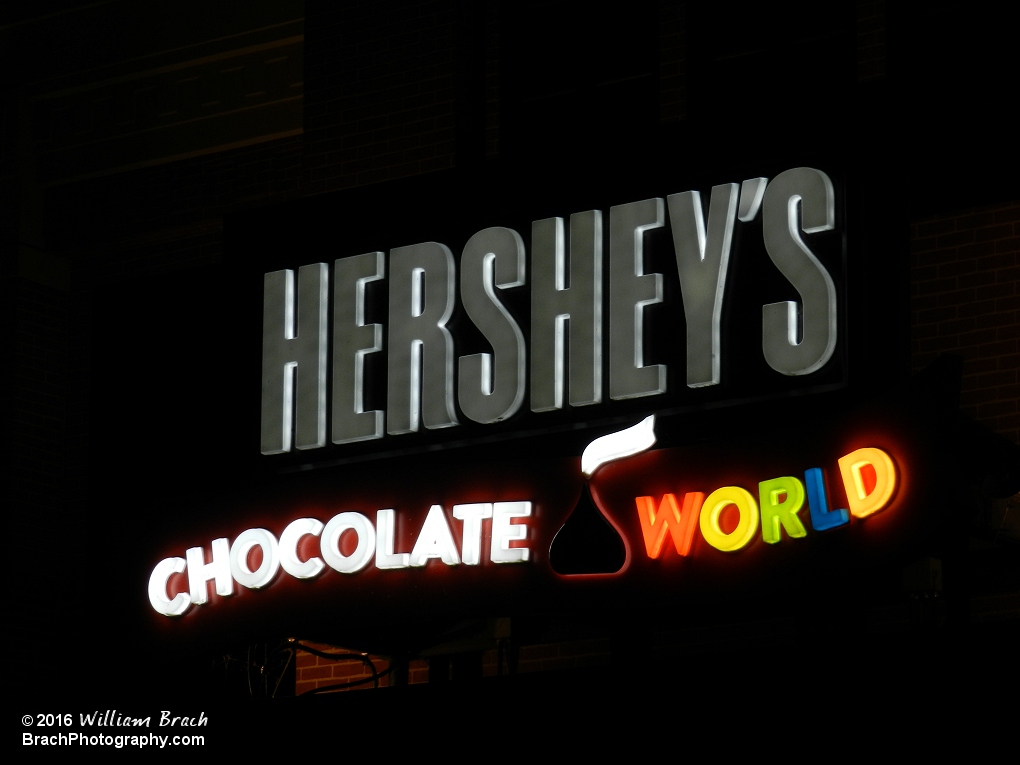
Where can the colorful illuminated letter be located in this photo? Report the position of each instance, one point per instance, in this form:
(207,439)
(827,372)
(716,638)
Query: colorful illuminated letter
(821,518)
(679,523)
(862,498)
(781,499)
(711,511)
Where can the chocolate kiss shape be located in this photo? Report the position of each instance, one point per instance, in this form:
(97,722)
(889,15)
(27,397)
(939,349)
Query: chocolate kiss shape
(586,543)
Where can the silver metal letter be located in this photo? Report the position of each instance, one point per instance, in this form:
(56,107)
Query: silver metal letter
(795,340)
(563,312)
(420,348)
(630,290)
(490,390)
(352,341)
(290,351)
(702,262)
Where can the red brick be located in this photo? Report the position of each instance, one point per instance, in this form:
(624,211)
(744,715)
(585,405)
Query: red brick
(1009,362)
(976,220)
(314,673)
(956,297)
(936,344)
(996,409)
(934,227)
(933,257)
(996,319)
(955,239)
(978,279)
(990,379)
(1001,348)
(938,285)
(1011,213)
(924,302)
(979,338)
(937,315)
(956,268)
(1011,303)
(923,244)
(1011,391)
(996,290)
(956,326)
(972,397)
(976,250)
(535,652)
(976,308)
(350,670)
(1002,231)
(978,366)
(1008,332)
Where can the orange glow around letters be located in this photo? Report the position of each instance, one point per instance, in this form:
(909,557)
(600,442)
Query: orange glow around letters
(680,523)
(862,498)
(781,500)
(746,528)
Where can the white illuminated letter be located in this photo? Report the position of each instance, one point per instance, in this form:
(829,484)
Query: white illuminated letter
(702,260)
(419,346)
(353,339)
(294,349)
(200,572)
(330,543)
(490,386)
(630,291)
(797,339)
(386,522)
(566,312)
(435,540)
(157,588)
(752,191)
(289,539)
(471,540)
(239,569)
(504,532)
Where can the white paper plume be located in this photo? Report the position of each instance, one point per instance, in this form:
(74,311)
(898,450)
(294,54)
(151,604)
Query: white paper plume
(614,446)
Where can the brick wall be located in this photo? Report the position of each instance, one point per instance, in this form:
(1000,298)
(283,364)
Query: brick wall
(965,300)
(319,672)
(381,82)
(871,40)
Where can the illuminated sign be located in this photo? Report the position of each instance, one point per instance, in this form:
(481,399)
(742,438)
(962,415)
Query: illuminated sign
(696,522)
(560,361)
(231,563)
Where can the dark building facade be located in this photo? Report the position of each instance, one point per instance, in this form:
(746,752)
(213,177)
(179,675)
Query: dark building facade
(158,163)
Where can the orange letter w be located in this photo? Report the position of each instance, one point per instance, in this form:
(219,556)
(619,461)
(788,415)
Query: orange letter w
(681,523)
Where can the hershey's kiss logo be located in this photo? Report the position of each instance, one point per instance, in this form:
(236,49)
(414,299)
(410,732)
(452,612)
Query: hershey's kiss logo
(588,543)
